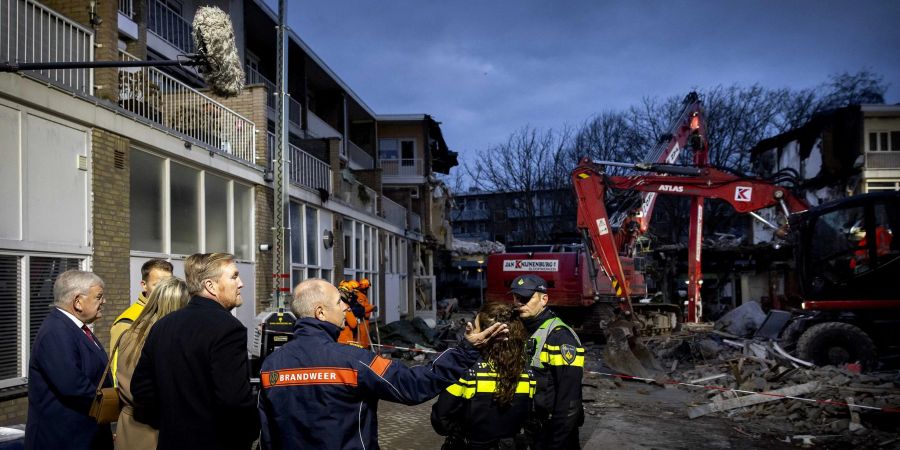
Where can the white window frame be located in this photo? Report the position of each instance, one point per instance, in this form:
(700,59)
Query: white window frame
(201,206)
(24,306)
(304,266)
(368,261)
(879,133)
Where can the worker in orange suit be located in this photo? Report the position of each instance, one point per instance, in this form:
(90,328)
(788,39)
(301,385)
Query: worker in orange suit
(357,330)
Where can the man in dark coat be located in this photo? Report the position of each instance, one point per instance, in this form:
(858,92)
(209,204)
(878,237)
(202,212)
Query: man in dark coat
(66,364)
(192,381)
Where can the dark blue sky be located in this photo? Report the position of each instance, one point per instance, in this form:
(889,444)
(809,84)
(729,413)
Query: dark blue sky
(486,68)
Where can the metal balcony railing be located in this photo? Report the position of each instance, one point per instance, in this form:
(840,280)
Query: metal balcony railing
(254,77)
(402,167)
(160,98)
(295,111)
(393,212)
(307,170)
(169,26)
(31,32)
(126,7)
(359,156)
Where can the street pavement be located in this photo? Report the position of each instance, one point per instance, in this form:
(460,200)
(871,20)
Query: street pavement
(402,427)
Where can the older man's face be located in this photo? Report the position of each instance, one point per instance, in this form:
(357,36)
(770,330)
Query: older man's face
(88,306)
(333,310)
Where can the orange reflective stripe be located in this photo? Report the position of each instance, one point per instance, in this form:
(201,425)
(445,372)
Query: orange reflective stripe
(312,375)
(380,365)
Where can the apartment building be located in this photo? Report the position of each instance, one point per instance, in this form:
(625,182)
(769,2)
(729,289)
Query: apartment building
(103,169)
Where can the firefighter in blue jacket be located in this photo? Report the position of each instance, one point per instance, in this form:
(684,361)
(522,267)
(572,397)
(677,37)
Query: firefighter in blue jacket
(557,359)
(320,394)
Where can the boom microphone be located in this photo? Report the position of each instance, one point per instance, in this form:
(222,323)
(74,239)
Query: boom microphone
(214,41)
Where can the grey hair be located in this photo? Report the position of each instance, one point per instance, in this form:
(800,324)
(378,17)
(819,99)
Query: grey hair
(308,295)
(72,283)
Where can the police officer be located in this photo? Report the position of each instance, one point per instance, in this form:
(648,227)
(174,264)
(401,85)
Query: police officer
(319,394)
(557,360)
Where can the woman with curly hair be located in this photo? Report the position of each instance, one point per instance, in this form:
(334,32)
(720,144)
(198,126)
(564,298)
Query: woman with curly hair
(487,407)
(169,295)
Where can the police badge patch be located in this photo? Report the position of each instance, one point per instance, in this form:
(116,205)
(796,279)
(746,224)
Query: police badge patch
(568,353)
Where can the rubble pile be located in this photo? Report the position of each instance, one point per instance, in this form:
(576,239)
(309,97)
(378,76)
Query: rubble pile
(725,366)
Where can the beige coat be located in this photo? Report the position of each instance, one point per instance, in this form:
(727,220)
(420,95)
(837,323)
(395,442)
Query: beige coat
(130,434)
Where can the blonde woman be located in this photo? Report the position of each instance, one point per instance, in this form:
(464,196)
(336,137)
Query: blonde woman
(169,295)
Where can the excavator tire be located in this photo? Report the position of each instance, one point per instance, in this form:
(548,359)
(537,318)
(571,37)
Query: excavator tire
(836,343)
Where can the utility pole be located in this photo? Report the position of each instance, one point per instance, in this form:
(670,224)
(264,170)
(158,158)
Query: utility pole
(280,228)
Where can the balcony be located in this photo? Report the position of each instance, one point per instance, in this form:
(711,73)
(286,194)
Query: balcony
(402,167)
(304,169)
(359,159)
(318,127)
(126,7)
(162,99)
(393,212)
(169,26)
(359,196)
(882,160)
(254,77)
(31,32)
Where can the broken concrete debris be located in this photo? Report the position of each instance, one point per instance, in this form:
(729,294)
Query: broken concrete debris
(750,382)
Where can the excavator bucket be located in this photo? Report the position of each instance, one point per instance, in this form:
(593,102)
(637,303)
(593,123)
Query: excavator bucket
(625,353)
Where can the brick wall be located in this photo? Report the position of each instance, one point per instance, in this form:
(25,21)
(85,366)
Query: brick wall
(139,47)
(251,104)
(106,38)
(370,178)
(14,407)
(111,224)
(264,225)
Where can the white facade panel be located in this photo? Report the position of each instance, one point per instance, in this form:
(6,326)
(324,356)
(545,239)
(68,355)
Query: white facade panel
(392,289)
(56,190)
(10,170)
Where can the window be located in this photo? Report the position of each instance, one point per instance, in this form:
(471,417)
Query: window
(178,209)
(185,205)
(407,152)
(403,149)
(243,221)
(883,141)
(872,186)
(305,261)
(147,181)
(388,148)
(216,213)
(26,292)
(359,259)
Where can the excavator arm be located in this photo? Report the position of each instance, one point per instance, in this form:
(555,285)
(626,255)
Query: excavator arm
(744,194)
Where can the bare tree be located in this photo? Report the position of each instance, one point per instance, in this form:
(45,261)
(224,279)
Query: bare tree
(852,89)
(528,162)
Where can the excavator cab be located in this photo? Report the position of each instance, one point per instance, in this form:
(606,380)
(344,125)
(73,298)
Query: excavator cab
(846,249)
(848,262)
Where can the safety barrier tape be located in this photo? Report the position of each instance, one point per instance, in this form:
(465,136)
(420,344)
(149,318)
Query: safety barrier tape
(769,394)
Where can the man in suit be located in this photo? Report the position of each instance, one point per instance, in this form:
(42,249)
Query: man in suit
(66,364)
(192,381)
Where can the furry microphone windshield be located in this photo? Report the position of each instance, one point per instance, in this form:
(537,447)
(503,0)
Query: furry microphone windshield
(214,40)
